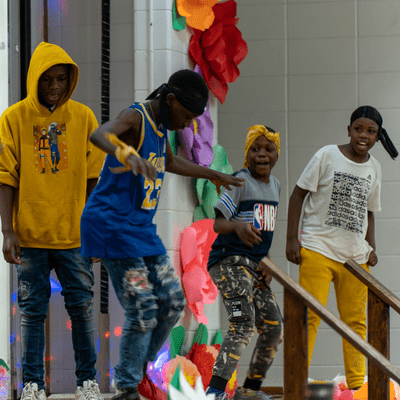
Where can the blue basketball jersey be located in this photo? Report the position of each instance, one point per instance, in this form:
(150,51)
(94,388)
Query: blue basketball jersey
(117,221)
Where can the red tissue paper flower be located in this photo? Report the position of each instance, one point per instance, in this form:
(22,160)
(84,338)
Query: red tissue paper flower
(203,357)
(196,242)
(219,49)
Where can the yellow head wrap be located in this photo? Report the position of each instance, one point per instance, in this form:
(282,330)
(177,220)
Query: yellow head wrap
(254,133)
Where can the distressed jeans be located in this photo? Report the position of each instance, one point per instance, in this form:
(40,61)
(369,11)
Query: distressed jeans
(76,278)
(151,295)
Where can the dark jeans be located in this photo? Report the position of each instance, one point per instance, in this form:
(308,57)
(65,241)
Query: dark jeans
(76,278)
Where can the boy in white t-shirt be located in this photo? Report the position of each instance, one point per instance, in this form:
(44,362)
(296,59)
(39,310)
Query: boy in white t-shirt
(343,184)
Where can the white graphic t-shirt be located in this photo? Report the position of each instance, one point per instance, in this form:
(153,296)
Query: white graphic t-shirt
(335,219)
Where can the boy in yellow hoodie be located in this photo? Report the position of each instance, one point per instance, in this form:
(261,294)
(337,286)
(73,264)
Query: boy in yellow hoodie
(48,167)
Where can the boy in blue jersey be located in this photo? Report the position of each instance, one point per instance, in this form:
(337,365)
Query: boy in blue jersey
(117,222)
(245,223)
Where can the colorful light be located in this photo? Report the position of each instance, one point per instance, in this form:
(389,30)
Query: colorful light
(118,331)
(55,286)
(4,377)
(154,369)
(12,337)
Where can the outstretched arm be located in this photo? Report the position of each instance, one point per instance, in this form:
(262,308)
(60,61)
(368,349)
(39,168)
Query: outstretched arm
(292,241)
(127,127)
(180,166)
(370,238)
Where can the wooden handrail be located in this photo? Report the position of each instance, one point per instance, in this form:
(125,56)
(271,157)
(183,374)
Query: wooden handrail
(379,300)
(299,298)
(373,284)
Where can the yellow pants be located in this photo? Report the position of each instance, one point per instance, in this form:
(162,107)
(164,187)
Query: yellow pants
(316,274)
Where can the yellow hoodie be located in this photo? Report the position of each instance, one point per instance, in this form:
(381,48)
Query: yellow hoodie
(48,158)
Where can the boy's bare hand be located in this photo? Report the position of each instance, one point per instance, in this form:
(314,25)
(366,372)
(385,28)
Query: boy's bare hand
(293,251)
(372,259)
(142,166)
(248,233)
(11,249)
(227,181)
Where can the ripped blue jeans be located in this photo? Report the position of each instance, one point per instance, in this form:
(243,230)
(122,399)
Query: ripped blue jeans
(76,278)
(153,300)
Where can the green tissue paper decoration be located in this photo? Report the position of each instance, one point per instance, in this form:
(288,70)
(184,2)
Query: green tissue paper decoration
(178,22)
(175,379)
(177,337)
(206,191)
(216,338)
(174,143)
(201,335)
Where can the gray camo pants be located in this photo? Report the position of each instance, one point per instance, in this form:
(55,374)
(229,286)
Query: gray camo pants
(249,304)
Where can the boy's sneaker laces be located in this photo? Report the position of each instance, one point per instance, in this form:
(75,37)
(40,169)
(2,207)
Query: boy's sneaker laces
(31,392)
(89,391)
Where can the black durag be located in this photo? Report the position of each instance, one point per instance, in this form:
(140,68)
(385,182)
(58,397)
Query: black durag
(374,115)
(190,90)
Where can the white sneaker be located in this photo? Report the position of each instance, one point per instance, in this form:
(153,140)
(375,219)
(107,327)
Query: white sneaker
(89,391)
(31,392)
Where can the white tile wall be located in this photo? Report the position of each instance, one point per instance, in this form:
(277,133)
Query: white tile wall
(322,92)
(322,56)
(378,54)
(260,65)
(383,87)
(322,19)
(265,21)
(378,18)
(272,99)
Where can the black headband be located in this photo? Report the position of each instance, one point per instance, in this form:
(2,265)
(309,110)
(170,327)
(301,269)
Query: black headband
(194,104)
(367,112)
(374,115)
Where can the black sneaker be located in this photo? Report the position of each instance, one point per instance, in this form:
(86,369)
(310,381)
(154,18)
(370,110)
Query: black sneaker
(130,394)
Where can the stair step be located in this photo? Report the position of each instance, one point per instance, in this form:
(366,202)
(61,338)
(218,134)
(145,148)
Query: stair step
(71,396)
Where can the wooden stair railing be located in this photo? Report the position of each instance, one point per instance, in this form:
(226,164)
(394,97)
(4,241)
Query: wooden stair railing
(379,300)
(296,301)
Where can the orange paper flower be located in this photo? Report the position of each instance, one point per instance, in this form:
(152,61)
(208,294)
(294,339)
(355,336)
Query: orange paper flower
(187,367)
(198,13)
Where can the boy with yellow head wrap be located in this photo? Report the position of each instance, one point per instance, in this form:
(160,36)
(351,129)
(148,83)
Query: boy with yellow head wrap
(245,223)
